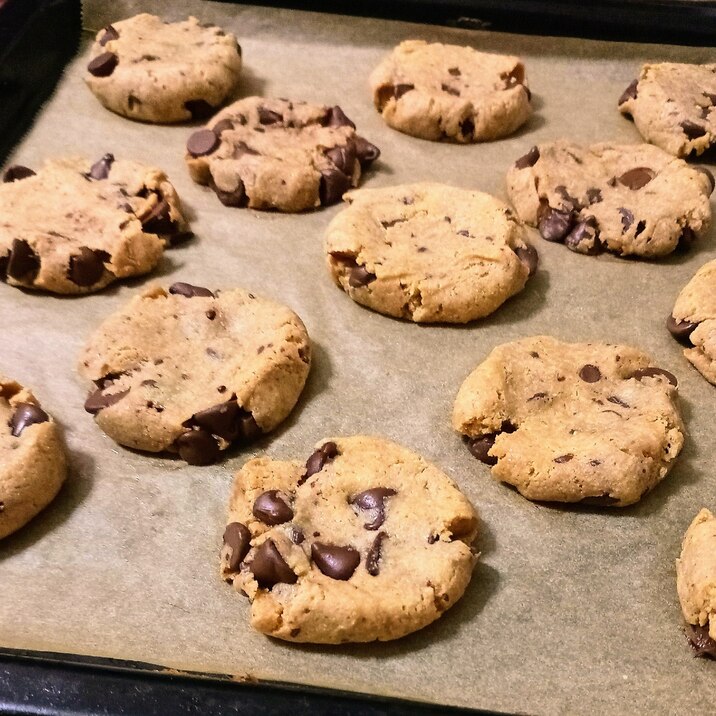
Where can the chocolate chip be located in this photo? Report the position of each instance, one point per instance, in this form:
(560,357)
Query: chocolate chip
(564,458)
(366,152)
(271,509)
(617,401)
(236,198)
(636,178)
(554,224)
(529,159)
(481,446)
(590,373)
(692,130)
(103,65)
(594,195)
(238,539)
(334,561)
(450,90)
(267,116)
(222,126)
(87,266)
(467,127)
(270,568)
(316,462)
(98,400)
(373,499)
(681,330)
(709,176)
(604,500)
(159,220)
(296,535)
(17,172)
(24,263)
(627,219)
(101,168)
(387,92)
(700,641)
(26,414)
(110,33)
(343,157)
(584,238)
(197,447)
(652,372)
(360,277)
(629,92)
(186,289)
(199,108)
(202,143)
(336,117)
(372,560)
(334,184)
(528,256)
(132,101)
(454,71)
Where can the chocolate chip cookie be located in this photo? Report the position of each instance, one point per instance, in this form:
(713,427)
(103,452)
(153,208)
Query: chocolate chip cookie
(33,464)
(693,320)
(191,370)
(696,583)
(276,154)
(365,541)
(672,105)
(435,91)
(428,252)
(75,227)
(571,422)
(155,71)
(632,200)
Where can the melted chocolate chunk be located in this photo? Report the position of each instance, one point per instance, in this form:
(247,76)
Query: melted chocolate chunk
(16,173)
(202,142)
(238,539)
(366,152)
(373,500)
(236,198)
(450,90)
(700,641)
(387,92)
(590,373)
(24,263)
(529,159)
(692,130)
(554,224)
(26,414)
(652,372)
(629,92)
(271,509)
(528,256)
(103,65)
(186,289)
(197,447)
(594,196)
(221,420)
(564,458)
(100,169)
(584,238)
(110,33)
(334,561)
(336,117)
(681,330)
(372,560)
(334,184)
(360,277)
(627,219)
(222,126)
(343,157)
(159,220)
(270,568)
(98,400)
(480,448)
(316,462)
(636,178)
(267,116)
(296,535)
(87,267)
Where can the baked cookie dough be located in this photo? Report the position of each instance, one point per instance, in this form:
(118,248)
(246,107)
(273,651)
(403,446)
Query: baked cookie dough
(630,199)
(693,320)
(367,541)
(435,91)
(428,252)
(696,583)
(75,227)
(154,71)
(673,106)
(33,464)
(191,370)
(277,154)
(571,422)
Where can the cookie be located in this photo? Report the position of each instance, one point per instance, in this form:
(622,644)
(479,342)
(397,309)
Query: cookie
(571,422)
(33,464)
(75,227)
(671,104)
(696,583)
(693,320)
(155,71)
(435,91)
(191,370)
(276,154)
(630,199)
(428,252)
(367,541)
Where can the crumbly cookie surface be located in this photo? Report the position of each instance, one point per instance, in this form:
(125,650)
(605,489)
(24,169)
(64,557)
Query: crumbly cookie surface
(366,541)
(193,370)
(277,154)
(428,252)
(632,200)
(435,91)
(75,227)
(579,422)
(150,70)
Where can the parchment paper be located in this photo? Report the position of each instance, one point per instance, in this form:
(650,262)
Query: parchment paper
(569,610)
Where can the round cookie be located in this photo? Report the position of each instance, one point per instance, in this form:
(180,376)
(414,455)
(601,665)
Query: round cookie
(696,583)
(630,199)
(428,252)
(571,422)
(33,464)
(366,541)
(435,91)
(150,70)
(276,154)
(672,105)
(191,370)
(75,227)
(693,320)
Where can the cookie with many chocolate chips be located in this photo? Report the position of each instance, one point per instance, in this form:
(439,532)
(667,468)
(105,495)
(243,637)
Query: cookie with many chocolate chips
(571,422)
(428,252)
(673,106)
(696,583)
(191,370)
(630,199)
(693,320)
(75,227)
(33,464)
(365,541)
(435,91)
(155,71)
(276,154)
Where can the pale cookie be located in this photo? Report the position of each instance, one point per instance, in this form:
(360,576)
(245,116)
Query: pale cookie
(428,252)
(673,106)
(696,583)
(33,464)
(75,227)
(191,370)
(436,91)
(630,199)
(366,541)
(571,422)
(693,320)
(276,154)
(146,69)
